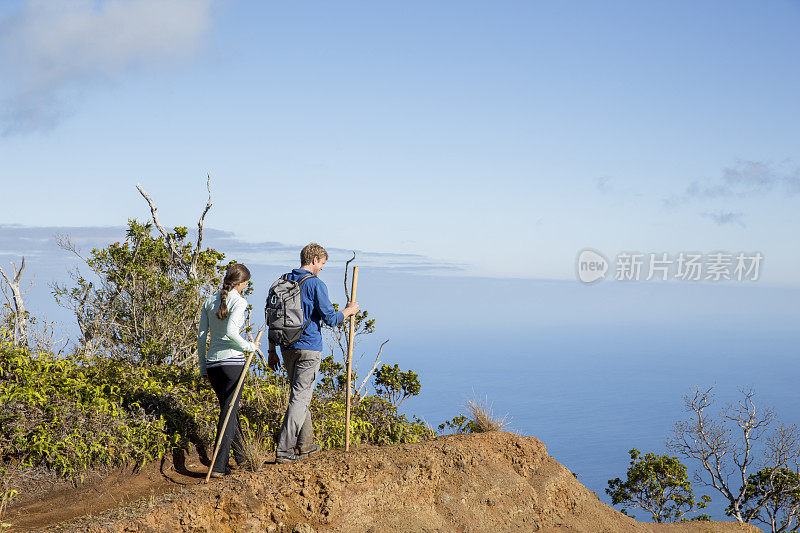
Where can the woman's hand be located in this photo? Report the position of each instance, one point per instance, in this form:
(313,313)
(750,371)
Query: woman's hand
(257,342)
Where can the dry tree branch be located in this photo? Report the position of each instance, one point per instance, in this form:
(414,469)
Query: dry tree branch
(703,439)
(783,448)
(189,268)
(371,370)
(726,459)
(65,243)
(20,321)
(88,329)
(196,254)
(176,256)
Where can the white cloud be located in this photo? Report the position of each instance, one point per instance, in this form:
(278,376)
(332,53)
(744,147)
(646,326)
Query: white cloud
(51,47)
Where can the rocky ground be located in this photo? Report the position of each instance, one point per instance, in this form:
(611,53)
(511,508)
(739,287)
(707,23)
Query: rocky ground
(487,482)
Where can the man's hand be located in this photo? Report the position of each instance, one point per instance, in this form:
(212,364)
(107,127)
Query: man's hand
(351,309)
(273,361)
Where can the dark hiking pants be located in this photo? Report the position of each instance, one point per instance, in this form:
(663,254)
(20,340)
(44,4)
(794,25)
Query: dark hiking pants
(223,380)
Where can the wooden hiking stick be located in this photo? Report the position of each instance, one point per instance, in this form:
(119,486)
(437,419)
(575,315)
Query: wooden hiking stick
(350,361)
(230,406)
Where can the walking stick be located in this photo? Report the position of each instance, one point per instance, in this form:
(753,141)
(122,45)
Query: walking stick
(350,361)
(230,406)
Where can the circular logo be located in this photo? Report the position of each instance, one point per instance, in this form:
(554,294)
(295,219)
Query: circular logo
(592,266)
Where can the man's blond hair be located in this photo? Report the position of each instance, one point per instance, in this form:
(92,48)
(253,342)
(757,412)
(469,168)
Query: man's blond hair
(310,251)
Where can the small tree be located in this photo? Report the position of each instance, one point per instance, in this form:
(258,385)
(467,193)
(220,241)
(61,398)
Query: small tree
(658,485)
(727,461)
(144,302)
(457,424)
(141,304)
(395,386)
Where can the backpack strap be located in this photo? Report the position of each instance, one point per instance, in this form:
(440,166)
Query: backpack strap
(300,282)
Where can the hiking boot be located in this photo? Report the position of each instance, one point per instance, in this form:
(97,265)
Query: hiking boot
(286,459)
(216,474)
(237,463)
(311,451)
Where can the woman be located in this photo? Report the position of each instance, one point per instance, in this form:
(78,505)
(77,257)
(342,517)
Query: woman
(221,320)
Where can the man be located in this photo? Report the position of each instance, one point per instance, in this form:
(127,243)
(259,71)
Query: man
(302,359)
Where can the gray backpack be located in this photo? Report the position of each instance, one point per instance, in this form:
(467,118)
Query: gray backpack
(284,311)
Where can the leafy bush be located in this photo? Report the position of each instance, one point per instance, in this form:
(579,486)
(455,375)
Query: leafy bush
(140,305)
(395,386)
(88,411)
(373,420)
(457,424)
(131,392)
(57,413)
(659,485)
(333,379)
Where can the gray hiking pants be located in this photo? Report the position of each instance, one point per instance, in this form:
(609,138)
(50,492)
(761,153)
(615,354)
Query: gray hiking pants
(301,367)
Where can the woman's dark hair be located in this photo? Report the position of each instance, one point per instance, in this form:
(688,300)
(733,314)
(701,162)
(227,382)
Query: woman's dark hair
(235,274)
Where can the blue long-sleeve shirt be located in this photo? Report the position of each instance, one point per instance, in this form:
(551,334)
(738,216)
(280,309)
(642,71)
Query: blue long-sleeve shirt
(317,307)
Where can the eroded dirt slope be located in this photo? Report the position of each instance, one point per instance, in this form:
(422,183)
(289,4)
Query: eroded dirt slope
(489,482)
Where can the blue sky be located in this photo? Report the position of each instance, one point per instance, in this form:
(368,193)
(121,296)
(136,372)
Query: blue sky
(502,137)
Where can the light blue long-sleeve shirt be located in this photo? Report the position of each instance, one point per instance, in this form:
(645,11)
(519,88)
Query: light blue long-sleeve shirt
(225,343)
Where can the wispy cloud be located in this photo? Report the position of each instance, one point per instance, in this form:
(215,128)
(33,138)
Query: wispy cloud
(725,218)
(40,242)
(602,184)
(611,186)
(51,50)
(792,182)
(745,179)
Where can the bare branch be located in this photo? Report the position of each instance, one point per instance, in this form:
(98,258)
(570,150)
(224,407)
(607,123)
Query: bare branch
(783,448)
(727,459)
(371,370)
(18,274)
(20,319)
(173,248)
(196,254)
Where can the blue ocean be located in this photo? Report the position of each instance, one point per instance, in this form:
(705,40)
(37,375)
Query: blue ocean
(591,371)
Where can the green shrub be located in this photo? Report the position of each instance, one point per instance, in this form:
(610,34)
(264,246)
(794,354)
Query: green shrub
(130,392)
(395,386)
(55,412)
(138,303)
(659,485)
(72,414)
